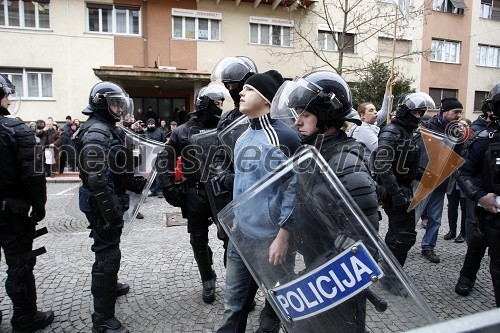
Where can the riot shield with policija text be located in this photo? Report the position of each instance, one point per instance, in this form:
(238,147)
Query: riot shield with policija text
(144,153)
(340,274)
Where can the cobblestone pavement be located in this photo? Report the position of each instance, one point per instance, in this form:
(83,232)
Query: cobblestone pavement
(165,293)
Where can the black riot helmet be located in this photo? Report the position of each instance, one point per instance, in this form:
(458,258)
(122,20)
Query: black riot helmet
(110,100)
(206,95)
(415,102)
(233,69)
(322,93)
(493,100)
(7,89)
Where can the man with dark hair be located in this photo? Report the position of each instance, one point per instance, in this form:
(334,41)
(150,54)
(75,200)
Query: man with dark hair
(21,188)
(450,111)
(150,114)
(182,116)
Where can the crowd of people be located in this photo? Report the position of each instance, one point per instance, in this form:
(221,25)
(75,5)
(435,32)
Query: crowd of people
(377,159)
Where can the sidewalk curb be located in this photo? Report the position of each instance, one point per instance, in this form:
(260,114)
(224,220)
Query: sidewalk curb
(63,180)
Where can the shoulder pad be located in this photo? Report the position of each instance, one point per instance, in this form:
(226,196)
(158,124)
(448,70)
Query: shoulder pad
(390,131)
(16,127)
(98,133)
(484,134)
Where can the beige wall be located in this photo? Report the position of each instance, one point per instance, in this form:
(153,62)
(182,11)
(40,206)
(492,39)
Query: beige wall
(481,78)
(68,51)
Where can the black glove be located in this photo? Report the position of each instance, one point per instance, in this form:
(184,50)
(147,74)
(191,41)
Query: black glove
(171,195)
(38,213)
(138,184)
(114,223)
(399,201)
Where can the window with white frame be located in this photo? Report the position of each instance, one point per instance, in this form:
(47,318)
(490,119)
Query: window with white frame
(490,10)
(25,14)
(196,24)
(111,19)
(31,83)
(449,6)
(327,42)
(445,51)
(270,31)
(488,56)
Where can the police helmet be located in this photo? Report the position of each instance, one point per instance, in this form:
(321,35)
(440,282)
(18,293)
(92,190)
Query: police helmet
(213,92)
(493,100)
(233,69)
(412,102)
(109,99)
(7,89)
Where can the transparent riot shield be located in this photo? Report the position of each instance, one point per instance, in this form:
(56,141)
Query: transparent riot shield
(339,276)
(144,154)
(231,133)
(205,146)
(438,159)
(207,143)
(145,151)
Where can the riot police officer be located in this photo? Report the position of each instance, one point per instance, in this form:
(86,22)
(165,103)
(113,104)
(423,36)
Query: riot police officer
(22,188)
(107,171)
(479,178)
(191,197)
(233,72)
(396,167)
(322,101)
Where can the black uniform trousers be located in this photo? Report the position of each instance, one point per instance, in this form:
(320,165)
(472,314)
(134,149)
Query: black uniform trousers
(107,264)
(17,246)
(198,213)
(401,234)
(492,230)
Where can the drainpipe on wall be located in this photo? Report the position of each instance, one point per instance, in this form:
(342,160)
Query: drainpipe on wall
(145,31)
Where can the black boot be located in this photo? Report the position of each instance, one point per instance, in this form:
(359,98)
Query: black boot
(269,321)
(110,325)
(460,238)
(31,322)
(208,294)
(464,286)
(203,256)
(450,235)
(122,289)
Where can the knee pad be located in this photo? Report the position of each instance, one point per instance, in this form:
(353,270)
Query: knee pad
(405,240)
(108,260)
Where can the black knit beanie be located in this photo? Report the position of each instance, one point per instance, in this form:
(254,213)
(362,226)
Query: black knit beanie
(266,84)
(450,103)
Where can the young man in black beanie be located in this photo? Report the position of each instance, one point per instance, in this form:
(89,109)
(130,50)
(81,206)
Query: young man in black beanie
(274,142)
(450,111)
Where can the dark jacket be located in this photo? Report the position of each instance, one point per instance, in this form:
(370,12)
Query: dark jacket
(479,124)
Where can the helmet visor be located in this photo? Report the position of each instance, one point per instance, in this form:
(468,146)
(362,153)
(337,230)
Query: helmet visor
(13,96)
(120,104)
(293,97)
(232,69)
